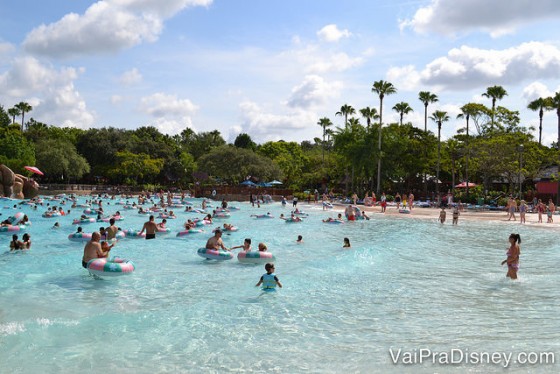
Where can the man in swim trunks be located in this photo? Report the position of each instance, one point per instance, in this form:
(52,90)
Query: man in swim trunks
(111,231)
(215,242)
(151,228)
(92,249)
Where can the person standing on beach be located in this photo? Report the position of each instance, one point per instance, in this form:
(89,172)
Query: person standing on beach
(511,207)
(442,215)
(513,253)
(398,200)
(456,215)
(383,203)
(410,200)
(550,211)
(540,210)
(522,211)
(150,227)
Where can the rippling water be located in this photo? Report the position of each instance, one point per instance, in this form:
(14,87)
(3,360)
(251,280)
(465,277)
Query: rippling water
(405,283)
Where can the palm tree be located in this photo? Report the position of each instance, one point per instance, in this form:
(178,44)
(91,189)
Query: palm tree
(540,104)
(381,88)
(468,110)
(426,97)
(23,107)
(439,117)
(345,111)
(14,112)
(402,108)
(324,123)
(495,93)
(369,114)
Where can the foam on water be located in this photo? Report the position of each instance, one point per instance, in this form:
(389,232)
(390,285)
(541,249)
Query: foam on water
(405,283)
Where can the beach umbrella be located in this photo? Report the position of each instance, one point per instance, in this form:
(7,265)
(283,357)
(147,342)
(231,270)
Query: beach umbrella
(264,184)
(275,182)
(248,183)
(33,169)
(464,185)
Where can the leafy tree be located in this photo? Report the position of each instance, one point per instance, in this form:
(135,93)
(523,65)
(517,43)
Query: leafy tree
(136,167)
(369,114)
(233,165)
(541,104)
(59,158)
(15,151)
(244,140)
(287,155)
(202,143)
(439,117)
(495,93)
(23,108)
(381,88)
(402,108)
(346,110)
(426,98)
(4,119)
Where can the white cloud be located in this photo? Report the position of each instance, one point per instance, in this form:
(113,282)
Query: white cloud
(265,126)
(106,26)
(315,60)
(314,90)
(116,99)
(131,77)
(496,17)
(331,33)
(6,48)
(51,92)
(172,115)
(468,67)
(534,91)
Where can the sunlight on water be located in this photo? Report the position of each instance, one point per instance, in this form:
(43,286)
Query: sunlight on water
(406,283)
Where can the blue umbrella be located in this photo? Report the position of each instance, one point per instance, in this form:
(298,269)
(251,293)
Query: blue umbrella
(263,184)
(248,183)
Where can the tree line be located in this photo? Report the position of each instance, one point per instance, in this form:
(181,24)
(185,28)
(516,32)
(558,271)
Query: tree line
(364,154)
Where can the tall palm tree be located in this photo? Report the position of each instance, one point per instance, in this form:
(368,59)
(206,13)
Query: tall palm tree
(369,114)
(23,107)
(402,108)
(346,110)
(495,93)
(439,117)
(467,111)
(381,88)
(555,104)
(324,123)
(14,112)
(426,98)
(541,104)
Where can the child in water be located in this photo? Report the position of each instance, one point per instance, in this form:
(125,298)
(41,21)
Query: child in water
(346,243)
(269,280)
(299,239)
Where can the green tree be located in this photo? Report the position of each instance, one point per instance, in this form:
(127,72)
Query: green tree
(59,158)
(288,156)
(427,98)
(244,140)
(136,168)
(541,104)
(346,110)
(15,151)
(325,123)
(439,117)
(494,93)
(23,108)
(402,108)
(369,114)
(233,164)
(14,112)
(381,88)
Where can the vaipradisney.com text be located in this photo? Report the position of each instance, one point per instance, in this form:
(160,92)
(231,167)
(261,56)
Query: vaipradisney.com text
(458,356)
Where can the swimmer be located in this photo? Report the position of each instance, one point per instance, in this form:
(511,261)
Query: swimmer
(56,225)
(16,244)
(150,227)
(26,241)
(215,242)
(455,215)
(92,249)
(513,256)
(246,245)
(299,239)
(263,247)
(269,280)
(346,243)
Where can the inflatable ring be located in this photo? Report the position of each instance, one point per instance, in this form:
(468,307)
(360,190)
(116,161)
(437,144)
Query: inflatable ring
(219,215)
(188,232)
(16,218)
(113,267)
(83,221)
(9,229)
(80,237)
(134,234)
(215,254)
(256,257)
(165,230)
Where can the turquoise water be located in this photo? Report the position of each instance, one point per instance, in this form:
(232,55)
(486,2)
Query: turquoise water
(406,283)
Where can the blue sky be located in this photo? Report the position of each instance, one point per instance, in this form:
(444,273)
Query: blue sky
(271,68)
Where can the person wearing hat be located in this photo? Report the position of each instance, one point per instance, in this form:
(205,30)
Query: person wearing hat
(215,242)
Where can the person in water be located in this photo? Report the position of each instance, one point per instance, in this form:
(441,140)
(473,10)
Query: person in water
(346,243)
(269,280)
(16,244)
(246,245)
(150,227)
(215,242)
(513,253)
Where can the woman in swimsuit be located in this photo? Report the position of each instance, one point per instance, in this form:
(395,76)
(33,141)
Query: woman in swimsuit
(513,256)
(522,211)
(540,210)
